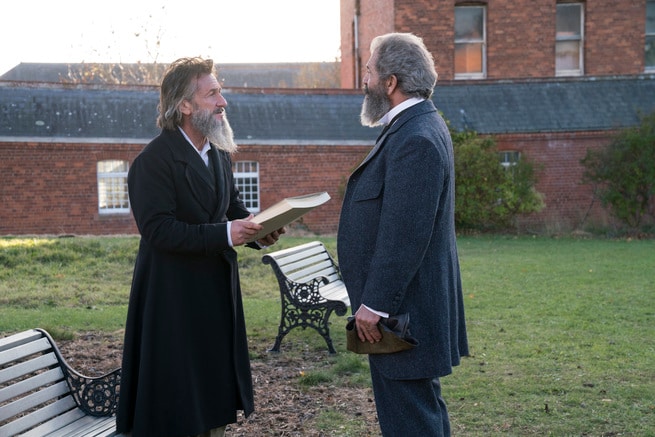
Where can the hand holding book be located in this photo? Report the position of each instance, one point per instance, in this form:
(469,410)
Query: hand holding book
(286,211)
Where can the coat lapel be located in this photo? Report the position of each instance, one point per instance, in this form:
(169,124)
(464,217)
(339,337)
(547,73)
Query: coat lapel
(198,176)
(216,160)
(395,124)
(375,148)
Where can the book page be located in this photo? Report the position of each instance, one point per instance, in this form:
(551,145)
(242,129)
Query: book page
(286,211)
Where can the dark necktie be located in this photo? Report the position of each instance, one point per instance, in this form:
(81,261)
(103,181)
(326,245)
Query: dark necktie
(386,128)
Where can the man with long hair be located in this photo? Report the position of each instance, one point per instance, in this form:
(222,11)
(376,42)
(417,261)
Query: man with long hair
(186,370)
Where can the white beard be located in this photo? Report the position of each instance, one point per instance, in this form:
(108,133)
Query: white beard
(223,137)
(376,104)
(218,132)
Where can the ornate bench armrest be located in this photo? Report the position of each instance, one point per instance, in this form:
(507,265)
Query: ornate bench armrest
(306,293)
(95,395)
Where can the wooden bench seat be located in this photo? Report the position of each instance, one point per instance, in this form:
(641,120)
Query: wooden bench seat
(311,288)
(40,395)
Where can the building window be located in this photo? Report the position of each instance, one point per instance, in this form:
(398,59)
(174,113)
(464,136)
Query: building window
(650,35)
(246,177)
(509,158)
(470,46)
(113,197)
(569,40)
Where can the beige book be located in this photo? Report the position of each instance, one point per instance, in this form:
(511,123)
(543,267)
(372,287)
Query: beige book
(286,211)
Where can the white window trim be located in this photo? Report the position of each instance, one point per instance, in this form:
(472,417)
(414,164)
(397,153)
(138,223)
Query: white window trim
(504,154)
(483,74)
(112,175)
(249,174)
(649,68)
(578,71)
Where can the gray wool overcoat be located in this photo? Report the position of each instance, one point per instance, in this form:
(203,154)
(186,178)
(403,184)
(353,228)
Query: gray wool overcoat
(185,363)
(396,242)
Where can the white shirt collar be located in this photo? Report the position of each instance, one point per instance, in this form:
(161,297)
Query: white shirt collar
(205,149)
(398,108)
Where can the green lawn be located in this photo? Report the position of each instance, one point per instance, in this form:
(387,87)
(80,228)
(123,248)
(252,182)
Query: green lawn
(562,331)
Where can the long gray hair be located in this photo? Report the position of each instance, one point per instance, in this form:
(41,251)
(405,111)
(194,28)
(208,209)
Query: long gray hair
(179,84)
(405,56)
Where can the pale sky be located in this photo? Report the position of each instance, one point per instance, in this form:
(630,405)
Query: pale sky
(127,31)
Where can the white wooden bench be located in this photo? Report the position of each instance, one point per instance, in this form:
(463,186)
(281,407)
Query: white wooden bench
(40,395)
(311,288)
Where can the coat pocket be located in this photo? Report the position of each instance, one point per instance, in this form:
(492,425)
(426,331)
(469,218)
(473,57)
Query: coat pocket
(367,190)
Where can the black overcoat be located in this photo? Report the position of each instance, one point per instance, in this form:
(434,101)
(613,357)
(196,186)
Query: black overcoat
(185,363)
(396,242)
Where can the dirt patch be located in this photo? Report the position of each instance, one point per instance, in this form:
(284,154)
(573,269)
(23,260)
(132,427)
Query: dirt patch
(282,406)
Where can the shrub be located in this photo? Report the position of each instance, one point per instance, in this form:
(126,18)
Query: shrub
(624,173)
(488,196)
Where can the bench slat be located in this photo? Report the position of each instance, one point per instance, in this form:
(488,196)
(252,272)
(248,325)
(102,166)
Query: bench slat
(27,367)
(24,350)
(39,416)
(33,400)
(41,380)
(88,426)
(83,426)
(20,338)
(300,260)
(335,291)
(338,297)
(314,271)
(314,245)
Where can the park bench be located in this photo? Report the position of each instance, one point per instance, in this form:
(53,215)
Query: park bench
(311,288)
(40,395)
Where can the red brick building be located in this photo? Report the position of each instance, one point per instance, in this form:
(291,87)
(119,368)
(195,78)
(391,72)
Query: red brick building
(540,47)
(508,39)
(65,151)
(548,80)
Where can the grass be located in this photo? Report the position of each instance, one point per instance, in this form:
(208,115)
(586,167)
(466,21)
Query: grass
(562,331)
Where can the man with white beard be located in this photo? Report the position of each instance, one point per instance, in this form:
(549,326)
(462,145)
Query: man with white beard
(396,242)
(186,370)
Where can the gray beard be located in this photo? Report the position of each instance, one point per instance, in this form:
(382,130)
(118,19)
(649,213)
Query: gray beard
(376,104)
(218,132)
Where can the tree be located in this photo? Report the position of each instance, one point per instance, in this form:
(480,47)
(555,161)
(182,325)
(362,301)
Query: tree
(319,75)
(487,195)
(624,173)
(115,73)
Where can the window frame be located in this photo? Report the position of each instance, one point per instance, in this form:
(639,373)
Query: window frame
(111,198)
(579,38)
(509,158)
(253,198)
(650,7)
(482,41)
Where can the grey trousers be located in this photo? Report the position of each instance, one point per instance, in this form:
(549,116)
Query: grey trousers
(410,407)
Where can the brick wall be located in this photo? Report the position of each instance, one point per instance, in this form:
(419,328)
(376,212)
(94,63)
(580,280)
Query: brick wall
(433,21)
(569,203)
(520,35)
(375,18)
(51,188)
(614,37)
(286,171)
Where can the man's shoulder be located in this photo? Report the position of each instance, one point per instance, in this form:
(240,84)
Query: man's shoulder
(164,141)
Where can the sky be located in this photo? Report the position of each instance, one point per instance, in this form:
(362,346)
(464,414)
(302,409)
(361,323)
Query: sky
(228,31)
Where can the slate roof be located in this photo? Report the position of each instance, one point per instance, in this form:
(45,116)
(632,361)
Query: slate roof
(267,115)
(564,105)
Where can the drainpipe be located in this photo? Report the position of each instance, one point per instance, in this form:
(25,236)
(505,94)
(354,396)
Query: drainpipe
(356,49)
